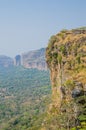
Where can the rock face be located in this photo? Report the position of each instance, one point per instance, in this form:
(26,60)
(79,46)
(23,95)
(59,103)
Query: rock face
(17,60)
(6,61)
(35,59)
(66,59)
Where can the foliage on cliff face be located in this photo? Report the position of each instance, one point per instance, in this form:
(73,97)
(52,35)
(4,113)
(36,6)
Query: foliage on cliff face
(66,59)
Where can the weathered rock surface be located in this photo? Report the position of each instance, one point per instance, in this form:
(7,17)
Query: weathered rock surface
(35,59)
(66,59)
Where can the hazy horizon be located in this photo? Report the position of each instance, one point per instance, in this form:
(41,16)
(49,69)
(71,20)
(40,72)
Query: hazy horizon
(27,25)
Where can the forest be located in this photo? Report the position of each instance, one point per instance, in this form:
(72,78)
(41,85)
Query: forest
(24,98)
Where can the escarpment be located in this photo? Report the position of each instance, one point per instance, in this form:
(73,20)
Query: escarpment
(35,59)
(66,59)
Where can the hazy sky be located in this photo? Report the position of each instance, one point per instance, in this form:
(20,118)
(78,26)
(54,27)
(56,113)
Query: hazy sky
(28,24)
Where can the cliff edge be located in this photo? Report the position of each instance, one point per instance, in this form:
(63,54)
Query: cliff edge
(66,59)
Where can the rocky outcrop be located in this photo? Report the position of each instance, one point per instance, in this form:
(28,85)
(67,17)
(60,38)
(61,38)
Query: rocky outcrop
(17,60)
(6,61)
(34,59)
(66,59)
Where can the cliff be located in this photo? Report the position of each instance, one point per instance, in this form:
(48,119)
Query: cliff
(66,59)
(34,59)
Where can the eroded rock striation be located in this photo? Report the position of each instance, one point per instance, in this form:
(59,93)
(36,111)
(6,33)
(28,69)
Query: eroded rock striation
(35,59)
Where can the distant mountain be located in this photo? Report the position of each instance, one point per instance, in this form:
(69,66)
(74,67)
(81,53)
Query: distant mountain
(34,59)
(6,61)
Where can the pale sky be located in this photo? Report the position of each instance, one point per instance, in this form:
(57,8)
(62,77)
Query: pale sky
(28,24)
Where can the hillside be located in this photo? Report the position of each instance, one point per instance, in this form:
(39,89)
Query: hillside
(6,61)
(66,59)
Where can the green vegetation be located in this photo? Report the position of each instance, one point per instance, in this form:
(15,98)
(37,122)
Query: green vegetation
(24,96)
(52,40)
(63,49)
(81,28)
(69,84)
